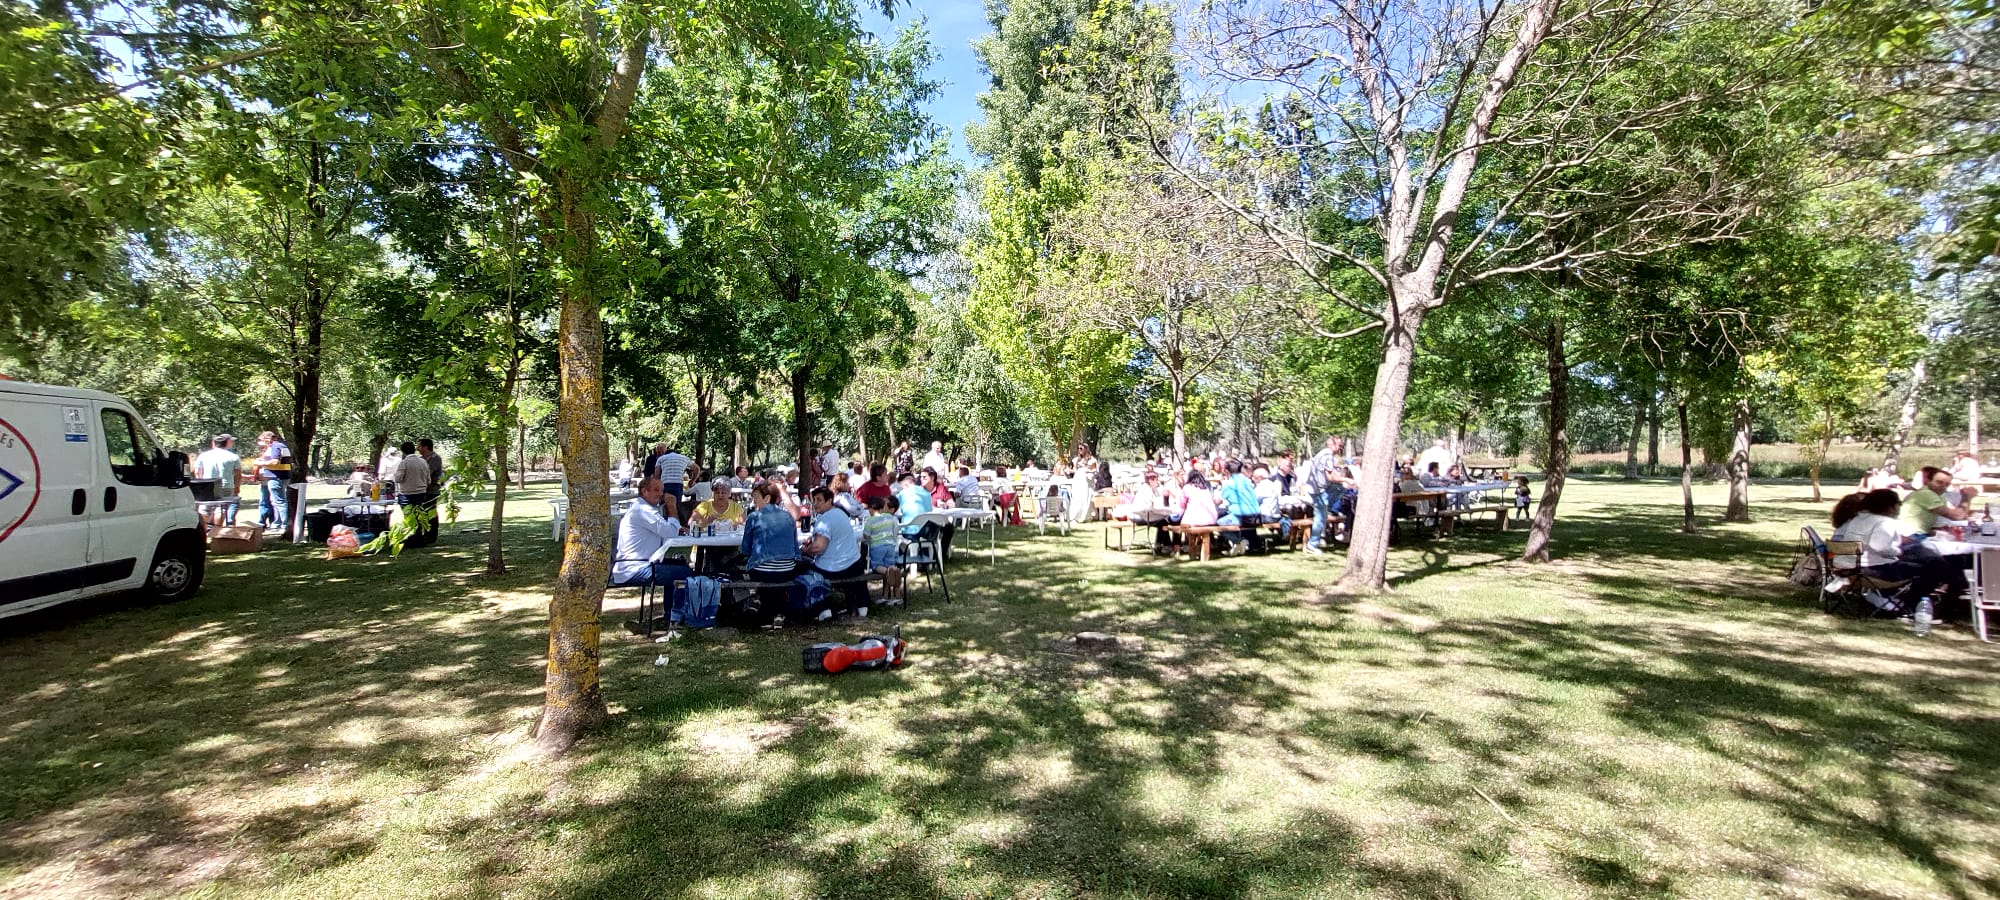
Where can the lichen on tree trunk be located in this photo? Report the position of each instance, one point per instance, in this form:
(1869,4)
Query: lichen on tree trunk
(573,700)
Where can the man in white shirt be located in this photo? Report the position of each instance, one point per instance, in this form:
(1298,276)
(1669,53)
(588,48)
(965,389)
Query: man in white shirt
(645,529)
(413,489)
(671,468)
(934,460)
(220,462)
(966,488)
(829,462)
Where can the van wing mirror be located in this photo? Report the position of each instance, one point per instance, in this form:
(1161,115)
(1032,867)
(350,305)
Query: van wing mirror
(171,470)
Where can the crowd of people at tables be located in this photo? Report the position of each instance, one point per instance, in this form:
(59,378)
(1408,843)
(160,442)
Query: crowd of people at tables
(840,519)
(1895,523)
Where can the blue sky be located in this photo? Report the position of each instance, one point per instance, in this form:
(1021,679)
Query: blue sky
(952,25)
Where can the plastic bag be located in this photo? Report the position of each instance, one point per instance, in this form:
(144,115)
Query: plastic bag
(342,543)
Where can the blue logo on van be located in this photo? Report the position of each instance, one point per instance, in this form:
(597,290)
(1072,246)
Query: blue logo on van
(8,483)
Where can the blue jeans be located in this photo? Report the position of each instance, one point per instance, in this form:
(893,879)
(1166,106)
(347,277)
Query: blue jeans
(1326,502)
(271,498)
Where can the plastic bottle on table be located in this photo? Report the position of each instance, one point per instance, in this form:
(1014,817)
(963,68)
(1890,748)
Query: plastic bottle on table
(1921,621)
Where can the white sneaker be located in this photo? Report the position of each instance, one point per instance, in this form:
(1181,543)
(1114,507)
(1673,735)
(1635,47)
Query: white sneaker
(1313,548)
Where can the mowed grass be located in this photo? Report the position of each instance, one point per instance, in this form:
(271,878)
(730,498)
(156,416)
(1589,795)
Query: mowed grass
(1655,714)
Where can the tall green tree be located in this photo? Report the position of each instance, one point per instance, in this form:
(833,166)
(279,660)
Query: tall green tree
(1073,82)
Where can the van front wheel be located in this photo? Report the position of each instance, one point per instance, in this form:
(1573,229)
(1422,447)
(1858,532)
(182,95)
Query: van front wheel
(177,568)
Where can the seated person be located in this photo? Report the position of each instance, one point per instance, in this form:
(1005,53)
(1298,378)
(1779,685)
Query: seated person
(1004,498)
(835,548)
(877,485)
(1146,502)
(643,532)
(881,533)
(719,509)
(1892,552)
(933,484)
(912,501)
(843,496)
(966,488)
(1269,495)
(1239,497)
(770,539)
(742,480)
(1925,509)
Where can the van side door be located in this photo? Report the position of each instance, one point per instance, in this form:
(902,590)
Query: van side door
(47,463)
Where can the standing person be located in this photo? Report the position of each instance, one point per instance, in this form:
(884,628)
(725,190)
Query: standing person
(651,464)
(1323,479)
(935,460)
(829,461)
(274,474)
(428,451)
(413,485)
(221,464)
(905,461)
(672,469)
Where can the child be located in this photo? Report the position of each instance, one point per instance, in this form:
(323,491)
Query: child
(1521,496)
(882,531)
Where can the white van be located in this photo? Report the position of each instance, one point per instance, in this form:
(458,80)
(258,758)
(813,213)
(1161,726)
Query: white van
(89,504)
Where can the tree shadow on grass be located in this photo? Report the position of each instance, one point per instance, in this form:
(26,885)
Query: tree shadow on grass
(126,720)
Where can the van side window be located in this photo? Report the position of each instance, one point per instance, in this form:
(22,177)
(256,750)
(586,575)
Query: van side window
(130,448)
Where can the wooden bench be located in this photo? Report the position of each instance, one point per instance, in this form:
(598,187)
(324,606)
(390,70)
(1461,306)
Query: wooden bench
(646,625)
(1201,538)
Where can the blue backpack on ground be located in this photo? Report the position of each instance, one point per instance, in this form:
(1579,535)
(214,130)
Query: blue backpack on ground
(695,603)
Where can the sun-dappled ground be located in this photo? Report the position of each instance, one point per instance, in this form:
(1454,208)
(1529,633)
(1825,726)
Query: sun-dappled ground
(1653,714)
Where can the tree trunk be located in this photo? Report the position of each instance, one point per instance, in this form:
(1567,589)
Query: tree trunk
(376,442)
(889,426)
(1972,426)
(1687,469)
(1653,434)
(1739,466)
(496,562)
(1906,417)
(1557,471)
(573,697)
(739,453)
(704,390)
(1458,437)
(861,433)
(510,413)
(802,423)
(1368,546)
(521,432)
(1257,424)
(1180,421)
(1819,460)
(1632,446)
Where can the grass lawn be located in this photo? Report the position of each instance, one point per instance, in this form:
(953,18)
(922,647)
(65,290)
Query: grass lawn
(1654,714)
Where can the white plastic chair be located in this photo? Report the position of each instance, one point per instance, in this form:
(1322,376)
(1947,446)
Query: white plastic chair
(1985,589)
(1053,507)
